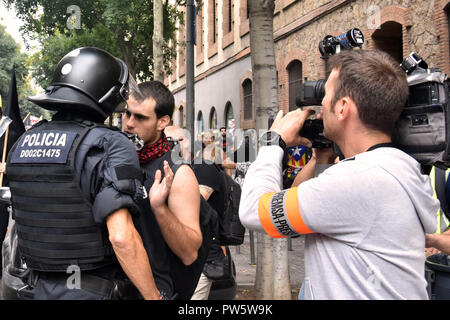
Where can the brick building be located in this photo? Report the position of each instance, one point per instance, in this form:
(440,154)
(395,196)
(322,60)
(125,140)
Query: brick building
(223,77)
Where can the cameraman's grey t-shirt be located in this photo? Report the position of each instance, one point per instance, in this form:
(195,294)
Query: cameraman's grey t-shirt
(368,215)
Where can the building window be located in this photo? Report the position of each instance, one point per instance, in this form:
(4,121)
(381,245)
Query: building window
(215,24)
(199,38)
(389,38)
(213,119)
(447,11)
(182,52)
(248,109)
(200,123)
(247,9)
(227,22)
(295,75)
(212,24)
(181,114)
(227,15)
(230,16)
(229,116)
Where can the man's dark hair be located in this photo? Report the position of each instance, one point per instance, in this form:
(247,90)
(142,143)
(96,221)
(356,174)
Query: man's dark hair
(165,102)
(223,128)
(375,82)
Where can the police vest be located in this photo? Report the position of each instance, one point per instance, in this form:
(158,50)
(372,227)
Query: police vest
(438,179)
(54,220)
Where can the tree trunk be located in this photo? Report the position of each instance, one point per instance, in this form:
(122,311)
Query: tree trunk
(264,268)
(281,279)
(158,27)
(272,278)
(126,49)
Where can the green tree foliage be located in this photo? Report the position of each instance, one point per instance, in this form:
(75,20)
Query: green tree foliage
(10,54)
(121,27)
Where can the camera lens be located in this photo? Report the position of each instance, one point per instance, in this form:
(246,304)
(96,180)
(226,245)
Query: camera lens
(313,93)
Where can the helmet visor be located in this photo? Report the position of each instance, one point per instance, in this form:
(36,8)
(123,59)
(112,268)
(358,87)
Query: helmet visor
(130,88)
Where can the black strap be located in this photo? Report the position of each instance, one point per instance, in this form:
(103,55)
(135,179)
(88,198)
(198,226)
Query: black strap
(88,282)
(59,238)
(60,190)
(37,173)
(439,183)
(422,110)
(52,208)
(60,254)
(54,223)
(423,149)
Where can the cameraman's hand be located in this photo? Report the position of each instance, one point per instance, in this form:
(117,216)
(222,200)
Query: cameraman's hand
(289,126)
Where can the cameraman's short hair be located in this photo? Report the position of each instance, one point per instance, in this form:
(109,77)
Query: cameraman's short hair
(165,102)
(375,82)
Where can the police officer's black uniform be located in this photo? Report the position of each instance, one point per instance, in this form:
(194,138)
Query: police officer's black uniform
(67,175)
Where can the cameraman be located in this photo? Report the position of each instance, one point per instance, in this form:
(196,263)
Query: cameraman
(365,217)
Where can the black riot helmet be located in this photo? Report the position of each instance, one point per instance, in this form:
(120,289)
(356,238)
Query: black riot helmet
(88,82)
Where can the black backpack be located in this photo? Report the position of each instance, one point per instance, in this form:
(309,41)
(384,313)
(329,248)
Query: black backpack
(422,130)
(231,231)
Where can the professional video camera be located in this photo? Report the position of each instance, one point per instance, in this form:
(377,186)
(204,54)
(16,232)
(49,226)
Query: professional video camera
(423,130)
(314,91)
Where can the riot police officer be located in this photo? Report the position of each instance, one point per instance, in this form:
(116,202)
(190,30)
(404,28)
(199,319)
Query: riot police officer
(75,185)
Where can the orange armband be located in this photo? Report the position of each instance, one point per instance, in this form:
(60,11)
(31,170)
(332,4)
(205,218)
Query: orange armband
(280,215)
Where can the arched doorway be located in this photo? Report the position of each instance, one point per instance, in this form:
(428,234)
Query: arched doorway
(200,122)
(247,92)
(295,74)
(390,39)
(181,115)
(229,116)
(213,118)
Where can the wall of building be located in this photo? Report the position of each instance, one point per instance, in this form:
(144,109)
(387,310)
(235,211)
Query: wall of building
(399,26)
(216,90)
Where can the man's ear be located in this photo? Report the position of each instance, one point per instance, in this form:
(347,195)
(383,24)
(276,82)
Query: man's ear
(344,107)
(163,122)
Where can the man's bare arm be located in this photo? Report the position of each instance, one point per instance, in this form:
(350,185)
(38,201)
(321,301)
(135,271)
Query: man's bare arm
(179,221)
(130,252)
(306,173)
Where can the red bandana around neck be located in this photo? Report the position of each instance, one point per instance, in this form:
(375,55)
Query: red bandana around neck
(155,150)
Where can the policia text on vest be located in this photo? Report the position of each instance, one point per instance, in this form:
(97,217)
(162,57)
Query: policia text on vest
(44,146)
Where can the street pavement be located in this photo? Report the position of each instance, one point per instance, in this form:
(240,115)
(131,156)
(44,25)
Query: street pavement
(246,272)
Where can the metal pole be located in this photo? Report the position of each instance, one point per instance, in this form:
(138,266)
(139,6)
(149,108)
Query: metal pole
(252,248)
(190,93)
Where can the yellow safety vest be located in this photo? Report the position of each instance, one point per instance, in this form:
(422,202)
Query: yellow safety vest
(442,221)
